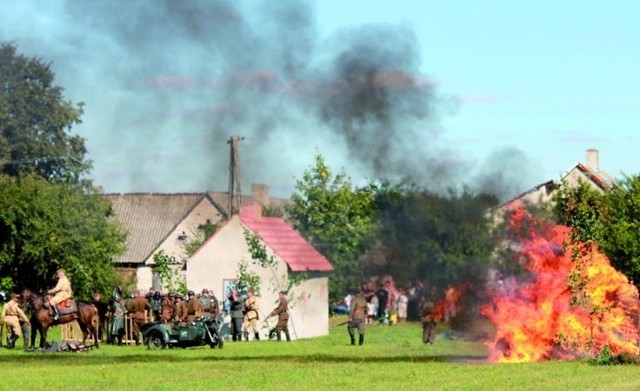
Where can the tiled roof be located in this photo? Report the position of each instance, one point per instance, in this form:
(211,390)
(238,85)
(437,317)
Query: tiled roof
(286,242)
(150,218)
(599,177)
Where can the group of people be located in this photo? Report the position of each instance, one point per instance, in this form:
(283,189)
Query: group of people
(369,304)
(245,316)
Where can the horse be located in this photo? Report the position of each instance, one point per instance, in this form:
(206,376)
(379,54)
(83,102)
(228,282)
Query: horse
(42,320)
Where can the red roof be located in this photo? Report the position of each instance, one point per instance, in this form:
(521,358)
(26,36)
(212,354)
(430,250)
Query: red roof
(286,242)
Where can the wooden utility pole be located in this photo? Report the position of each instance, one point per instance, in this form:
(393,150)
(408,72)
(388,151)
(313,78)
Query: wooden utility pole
(235,192)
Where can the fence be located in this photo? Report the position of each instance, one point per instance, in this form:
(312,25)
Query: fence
(72,332)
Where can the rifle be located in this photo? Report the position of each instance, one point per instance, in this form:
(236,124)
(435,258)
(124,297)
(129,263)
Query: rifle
(343,323)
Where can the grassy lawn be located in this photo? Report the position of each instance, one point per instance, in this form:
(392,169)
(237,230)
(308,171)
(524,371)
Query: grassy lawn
(392,357)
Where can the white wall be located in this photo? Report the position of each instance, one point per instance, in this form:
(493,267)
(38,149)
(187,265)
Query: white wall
(218,260)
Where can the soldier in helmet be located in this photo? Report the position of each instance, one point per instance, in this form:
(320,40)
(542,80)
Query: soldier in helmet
(235,309)
(194,307)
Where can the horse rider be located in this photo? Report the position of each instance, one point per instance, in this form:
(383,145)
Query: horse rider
(12,314)
(60,292)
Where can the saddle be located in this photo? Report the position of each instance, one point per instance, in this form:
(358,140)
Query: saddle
(66,306)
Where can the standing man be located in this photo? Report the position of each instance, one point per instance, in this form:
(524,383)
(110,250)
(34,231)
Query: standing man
(235,310)
(283,316)
(103,309)
(251,316)
(205,300)
(194,307)
(137,309)
(383,297)
(12,314)
(117,317)
(179,310)
(357,318)
(60,292)
(428,321)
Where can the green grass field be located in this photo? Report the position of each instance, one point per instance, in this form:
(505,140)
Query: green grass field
(393,357)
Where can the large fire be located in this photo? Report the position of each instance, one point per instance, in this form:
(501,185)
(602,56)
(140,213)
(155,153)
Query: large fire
(542,318)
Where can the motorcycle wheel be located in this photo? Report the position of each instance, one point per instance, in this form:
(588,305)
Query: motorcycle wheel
(217,341)
(155,340)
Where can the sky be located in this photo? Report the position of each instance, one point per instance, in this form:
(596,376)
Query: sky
(491,95)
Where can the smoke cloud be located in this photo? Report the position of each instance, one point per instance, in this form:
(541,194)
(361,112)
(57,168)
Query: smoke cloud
(166,83)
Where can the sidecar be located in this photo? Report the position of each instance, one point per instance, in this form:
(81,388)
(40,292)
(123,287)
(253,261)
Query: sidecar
(203,331)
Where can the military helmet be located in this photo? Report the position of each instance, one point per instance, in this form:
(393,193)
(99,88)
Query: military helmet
(191,293)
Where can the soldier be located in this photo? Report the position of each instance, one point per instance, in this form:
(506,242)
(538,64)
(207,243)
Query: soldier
(235,310)
(60,292)
(357,318)
(167,307)
(251,315)
(194,307)
(103,309)
(283,316)
(205,300)
(179,310)
(428,321)
(117,317)
(12,314)
(155,302)
(137,309)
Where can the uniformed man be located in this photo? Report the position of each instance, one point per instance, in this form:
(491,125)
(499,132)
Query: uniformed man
(357,317)
(117,310)
(194,307)
(251,315)
(60,292)
(179,310)
(235,310)
(282,310)
(205,300)
(167,307)
(103,310)
(428,321)
(12,314)
(137,309)
(155,302)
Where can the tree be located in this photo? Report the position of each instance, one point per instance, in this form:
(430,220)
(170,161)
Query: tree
(434,237)
(337,219)
(45,226)
(35,121)
(610,220)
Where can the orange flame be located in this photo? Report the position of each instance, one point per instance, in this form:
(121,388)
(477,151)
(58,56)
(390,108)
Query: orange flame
(535,320)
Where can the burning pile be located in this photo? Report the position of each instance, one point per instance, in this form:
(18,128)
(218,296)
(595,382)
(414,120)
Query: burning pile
(535,320)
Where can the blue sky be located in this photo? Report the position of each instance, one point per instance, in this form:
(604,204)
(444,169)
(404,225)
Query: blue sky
(514,91)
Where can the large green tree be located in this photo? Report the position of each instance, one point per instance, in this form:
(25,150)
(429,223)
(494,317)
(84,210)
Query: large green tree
(337,218)
(35,121)
(439,238)
(51,216)
(45,226)
(610,220)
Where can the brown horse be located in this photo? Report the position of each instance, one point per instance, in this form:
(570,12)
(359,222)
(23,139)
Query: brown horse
(42,320)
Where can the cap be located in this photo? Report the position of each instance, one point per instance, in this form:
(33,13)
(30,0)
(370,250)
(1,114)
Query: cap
(14,296)
(205,290)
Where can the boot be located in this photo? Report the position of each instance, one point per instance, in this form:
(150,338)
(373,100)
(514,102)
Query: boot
(286,334)
(361,341)
(352,337)
(256,336)
(56,313)
(12,341)
(278,335)
(246,335)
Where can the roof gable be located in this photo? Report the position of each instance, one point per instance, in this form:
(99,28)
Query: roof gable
(150,218)
(285,241)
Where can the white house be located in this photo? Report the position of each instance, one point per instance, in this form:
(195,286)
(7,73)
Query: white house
(215,266)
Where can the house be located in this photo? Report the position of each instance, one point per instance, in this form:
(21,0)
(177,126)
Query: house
(588,172)
(167,222)
(215,265)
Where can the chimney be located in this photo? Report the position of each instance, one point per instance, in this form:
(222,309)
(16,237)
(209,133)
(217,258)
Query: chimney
(592,159)
(260,194)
